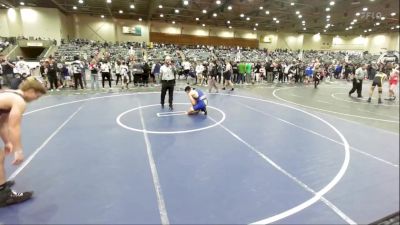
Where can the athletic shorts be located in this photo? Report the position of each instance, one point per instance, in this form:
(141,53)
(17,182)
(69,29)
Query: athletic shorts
(200,105)
(227,76)
(393,82)
(377,82)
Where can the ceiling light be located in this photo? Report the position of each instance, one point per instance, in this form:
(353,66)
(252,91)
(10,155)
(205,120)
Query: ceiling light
(383,18)
(300,16)
(365,9)
(186,2)
(203,25)
(358,14)
(292,3)
(256,24)
(242,15)
(75,8)
(304,28)
(397,26)
(120,11)
(214,15)
(228,22)
(392,14)
(132,6)
(267,12)
(377,23)
(324,30)
(350,27)
(230,27)
(173,22)
(392,28)
(230,7)
(160,6)
(204,11)
(102,16)
(332,3)
(355,20)
(274,18)
(80,1)
(297,12)
(303,24)
(254,28)
(140,19)
(328,9)
(248,18)
(176,10)
(261,8)
(369,30)
(328,16)
(328,19)
(352,23)
(347,28)
(365,31)
(108,1)
(22,3)
(161,15)
(197,19)
(218,2)
(277,21)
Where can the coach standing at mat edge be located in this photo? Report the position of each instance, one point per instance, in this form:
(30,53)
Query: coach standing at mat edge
(167,82)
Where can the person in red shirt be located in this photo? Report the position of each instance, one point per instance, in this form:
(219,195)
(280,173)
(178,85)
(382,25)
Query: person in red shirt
(393,81)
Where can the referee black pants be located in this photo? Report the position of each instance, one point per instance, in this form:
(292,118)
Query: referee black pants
(357,85)
(167,85)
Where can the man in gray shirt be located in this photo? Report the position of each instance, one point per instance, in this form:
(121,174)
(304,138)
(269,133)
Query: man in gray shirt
(358,78)
(167,81)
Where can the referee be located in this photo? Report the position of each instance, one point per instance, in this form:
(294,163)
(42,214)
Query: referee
(167,81)
(361,72)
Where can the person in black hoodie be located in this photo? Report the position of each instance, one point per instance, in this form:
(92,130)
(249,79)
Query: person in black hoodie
(51,67)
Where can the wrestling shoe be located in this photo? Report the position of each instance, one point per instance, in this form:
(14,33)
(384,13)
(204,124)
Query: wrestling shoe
(10,197)
(379,101)
(171,107)
(162,106)
(369,100)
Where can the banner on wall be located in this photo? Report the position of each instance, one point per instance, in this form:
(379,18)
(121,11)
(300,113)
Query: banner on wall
(135,31)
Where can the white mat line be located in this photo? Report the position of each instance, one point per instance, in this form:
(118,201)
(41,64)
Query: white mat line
(30,158)
(156,181)
(177,113)
(293,178)
(322,136)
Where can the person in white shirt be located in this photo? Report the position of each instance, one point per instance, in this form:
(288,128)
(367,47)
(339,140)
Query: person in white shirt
(22,68)
(105,72)
(125,75)
(168,82)
(186,69)
(199,72)
(76,70)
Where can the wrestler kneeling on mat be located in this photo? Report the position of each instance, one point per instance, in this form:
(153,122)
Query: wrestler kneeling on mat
(12,107)
(198,100)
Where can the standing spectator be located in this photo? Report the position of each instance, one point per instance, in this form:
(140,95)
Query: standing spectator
(76,69)
(199,72)
(155,70)
(168,82)
(146,74)
(51,67)
(117,68)
(213,73)
(105,73)
(94,72)
(228,76)
(242,71)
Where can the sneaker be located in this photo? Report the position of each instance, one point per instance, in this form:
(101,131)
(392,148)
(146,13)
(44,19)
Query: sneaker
(171,107)
(232,89)
(369,100)
(379,101)
(162,106)
(10,197)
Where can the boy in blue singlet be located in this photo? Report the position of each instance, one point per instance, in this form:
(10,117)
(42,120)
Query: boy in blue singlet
(198,100)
